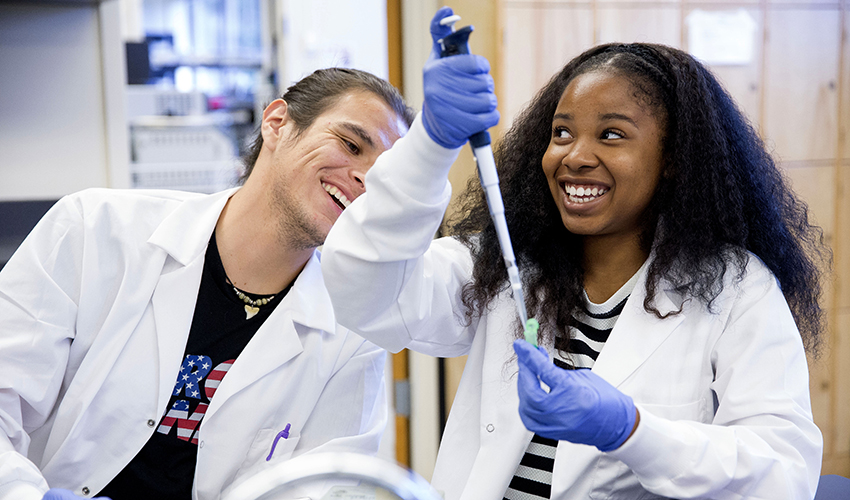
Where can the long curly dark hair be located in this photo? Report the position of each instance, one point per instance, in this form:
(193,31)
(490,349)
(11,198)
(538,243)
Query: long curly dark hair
(720,195)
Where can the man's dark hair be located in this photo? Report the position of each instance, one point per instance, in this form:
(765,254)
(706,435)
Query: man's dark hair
(318,92)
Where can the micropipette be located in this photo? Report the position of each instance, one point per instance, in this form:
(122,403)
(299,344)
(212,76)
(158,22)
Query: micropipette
(458,43)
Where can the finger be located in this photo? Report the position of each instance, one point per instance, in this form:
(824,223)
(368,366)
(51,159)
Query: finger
(536,359)
(459,92)
(528,386)
(465,83)
(530,420)
(555,376)
(467,107)
(472,64)
(490,119)
(532,397)
(439,31)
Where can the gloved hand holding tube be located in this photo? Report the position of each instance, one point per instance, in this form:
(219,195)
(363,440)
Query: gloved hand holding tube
(580,407)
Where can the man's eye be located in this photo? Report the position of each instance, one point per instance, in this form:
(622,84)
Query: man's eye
(354,148)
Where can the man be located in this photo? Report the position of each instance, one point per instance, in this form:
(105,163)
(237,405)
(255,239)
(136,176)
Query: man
(125,312)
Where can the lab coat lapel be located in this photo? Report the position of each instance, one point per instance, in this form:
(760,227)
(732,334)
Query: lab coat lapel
(638,333)
(305,308)
(173,307)
(184,235)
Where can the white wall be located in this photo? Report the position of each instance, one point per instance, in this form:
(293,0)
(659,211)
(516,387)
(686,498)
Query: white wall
(323,33)
(61,107)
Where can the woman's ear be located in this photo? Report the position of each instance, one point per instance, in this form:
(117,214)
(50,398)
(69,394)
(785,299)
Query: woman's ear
(668,171)
(275,119)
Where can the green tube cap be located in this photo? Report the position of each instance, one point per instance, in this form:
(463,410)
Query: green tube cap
(531,327)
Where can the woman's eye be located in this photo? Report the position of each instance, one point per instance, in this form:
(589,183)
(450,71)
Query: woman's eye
(561,133)
(612,134)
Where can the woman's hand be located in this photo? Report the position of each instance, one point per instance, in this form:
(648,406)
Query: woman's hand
(580,407)
(459,96)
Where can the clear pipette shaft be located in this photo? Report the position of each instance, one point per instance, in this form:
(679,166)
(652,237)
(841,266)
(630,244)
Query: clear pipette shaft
(490,182)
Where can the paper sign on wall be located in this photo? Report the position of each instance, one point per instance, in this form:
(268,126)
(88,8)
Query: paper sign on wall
(722,37)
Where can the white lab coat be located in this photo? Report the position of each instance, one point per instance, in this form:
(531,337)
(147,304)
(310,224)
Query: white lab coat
(95,310)
(723,396)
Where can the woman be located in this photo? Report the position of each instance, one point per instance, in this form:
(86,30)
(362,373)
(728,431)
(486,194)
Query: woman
(659,246)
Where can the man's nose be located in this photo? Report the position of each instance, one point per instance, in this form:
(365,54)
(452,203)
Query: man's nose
(358,176)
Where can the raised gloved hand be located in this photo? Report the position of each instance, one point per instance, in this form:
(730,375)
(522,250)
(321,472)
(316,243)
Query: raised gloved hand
(459,97)
(60,494)
(581,407)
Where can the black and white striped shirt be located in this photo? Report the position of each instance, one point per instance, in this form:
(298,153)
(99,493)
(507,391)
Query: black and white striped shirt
(533,477)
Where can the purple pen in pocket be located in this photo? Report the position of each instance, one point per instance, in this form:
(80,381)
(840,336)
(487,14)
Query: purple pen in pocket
(282,434)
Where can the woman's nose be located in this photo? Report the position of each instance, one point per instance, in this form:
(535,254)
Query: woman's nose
(581,154)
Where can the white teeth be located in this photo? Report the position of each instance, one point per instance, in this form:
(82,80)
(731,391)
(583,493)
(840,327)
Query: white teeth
(583,194)
(336,193)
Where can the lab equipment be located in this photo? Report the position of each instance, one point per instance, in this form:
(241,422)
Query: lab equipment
(191,153)
(339,466)
(580,407)
(454,43)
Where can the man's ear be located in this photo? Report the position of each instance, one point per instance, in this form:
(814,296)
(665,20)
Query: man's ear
(275,119)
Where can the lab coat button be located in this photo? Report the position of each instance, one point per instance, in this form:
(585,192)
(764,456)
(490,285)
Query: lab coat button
(151,423)
(490,428)
(86,490)
(201,444)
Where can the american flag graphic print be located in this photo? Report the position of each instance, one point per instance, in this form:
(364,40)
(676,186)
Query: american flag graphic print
(190,381)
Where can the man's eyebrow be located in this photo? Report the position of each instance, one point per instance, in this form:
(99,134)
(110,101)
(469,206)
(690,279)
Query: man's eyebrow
(360,132)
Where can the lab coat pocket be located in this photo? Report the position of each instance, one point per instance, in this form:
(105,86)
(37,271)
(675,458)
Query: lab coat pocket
(270,447)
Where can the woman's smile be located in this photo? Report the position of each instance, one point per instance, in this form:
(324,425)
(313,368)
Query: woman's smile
(581,194)
(604,158)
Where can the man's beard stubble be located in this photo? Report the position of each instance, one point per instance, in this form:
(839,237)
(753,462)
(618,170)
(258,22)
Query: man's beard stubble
(294,226)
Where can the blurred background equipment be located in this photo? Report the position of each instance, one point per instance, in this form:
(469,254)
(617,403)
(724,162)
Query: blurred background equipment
(370,477)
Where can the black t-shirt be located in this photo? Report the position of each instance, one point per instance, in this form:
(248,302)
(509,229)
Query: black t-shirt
(164,469)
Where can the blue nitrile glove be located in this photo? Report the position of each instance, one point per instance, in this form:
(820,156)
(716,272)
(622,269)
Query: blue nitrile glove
(459,97)
(60,494)
(581,407)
